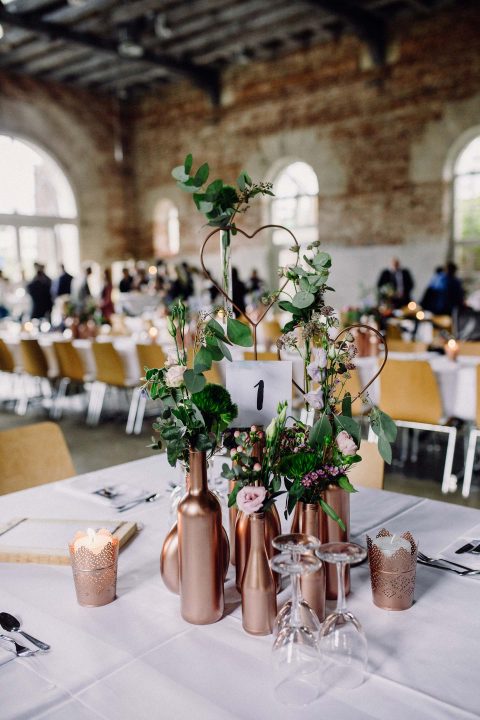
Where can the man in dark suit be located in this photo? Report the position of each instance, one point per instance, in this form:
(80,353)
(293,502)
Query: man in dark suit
(63,284)
(399,282)
(39,290)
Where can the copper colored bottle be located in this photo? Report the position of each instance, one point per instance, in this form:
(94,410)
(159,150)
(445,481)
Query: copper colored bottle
(313,585)
(169,565)
(259,599)
(242,540)
(330,531)
(200,548)
(232,519)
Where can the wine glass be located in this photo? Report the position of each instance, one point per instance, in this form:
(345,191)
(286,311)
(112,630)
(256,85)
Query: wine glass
(297,544)
(342,642)
(295,657)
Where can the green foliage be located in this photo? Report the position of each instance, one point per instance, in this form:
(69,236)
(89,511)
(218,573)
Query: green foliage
(239,333)
(319,432)
(296,465)
(384,427)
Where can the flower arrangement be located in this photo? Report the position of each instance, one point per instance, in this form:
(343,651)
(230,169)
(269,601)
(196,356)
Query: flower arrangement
(193,413)
(256,465)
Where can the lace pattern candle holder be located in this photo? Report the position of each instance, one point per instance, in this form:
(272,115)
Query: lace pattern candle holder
(393,564)
(95,574)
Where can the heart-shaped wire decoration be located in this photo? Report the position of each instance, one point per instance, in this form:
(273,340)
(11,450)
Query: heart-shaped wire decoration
(253,323)
(372,380)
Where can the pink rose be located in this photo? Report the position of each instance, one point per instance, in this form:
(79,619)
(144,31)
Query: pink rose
(250,498)
(346,444)
(315,399)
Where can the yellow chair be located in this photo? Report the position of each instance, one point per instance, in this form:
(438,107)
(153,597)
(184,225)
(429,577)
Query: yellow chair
(71,370)
(47,459)
(407,346)
(472,443)
(110,373)
(409,394)
(469,348)
(369,472)
(34,364)
(213,375)
(7,363)
(393,333)
(267,355)
(268,332)
(149,356)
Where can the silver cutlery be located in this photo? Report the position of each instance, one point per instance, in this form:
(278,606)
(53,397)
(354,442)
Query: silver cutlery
(11,624)
(107,492)
(448,568)
(138,501)
(20,650)
(427,559)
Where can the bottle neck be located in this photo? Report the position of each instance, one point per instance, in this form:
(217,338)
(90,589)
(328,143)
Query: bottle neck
(257,530)
(310,520)
(197,477)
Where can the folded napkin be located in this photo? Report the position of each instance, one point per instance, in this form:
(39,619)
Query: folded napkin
(469,559)
(108,493)
(6,655)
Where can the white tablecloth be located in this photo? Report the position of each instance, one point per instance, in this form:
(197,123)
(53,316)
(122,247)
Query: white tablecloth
(137,659)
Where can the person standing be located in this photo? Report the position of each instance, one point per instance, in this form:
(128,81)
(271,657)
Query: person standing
(39,290)
(396,283)
(106,304)
(62,285)
(451,293)
(126,283)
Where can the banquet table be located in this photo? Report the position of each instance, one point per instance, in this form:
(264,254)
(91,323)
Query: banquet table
(136,658)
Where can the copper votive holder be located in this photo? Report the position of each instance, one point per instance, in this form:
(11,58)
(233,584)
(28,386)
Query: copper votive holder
(393,577)
(95,574)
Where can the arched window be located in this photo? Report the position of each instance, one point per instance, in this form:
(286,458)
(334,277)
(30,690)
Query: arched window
(166,229)
(466,208)
(295,204)
(38,213)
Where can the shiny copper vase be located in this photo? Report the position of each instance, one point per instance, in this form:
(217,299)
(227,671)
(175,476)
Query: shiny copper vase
(242,541)
(232,519)
(169,563)
(330,531)
(200,549)
(259,598)
(313,585)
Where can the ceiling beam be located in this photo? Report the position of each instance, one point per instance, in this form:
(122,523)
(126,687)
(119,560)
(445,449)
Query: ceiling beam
(369,27)
(206,79)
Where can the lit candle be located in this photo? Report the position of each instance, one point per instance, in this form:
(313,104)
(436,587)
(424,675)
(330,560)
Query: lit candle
(412,305)
(391,543)
(91,540)
(420,315)
(451,349)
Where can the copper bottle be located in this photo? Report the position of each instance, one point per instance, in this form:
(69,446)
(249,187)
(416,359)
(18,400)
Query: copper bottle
(259,599)
(232,519)
(313,585)
(330,531)
(200,548)
(242,540)
(169,566)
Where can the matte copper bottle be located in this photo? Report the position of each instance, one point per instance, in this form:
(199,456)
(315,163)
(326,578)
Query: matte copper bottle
(259,598)
(200,548)
(169,563)
(242,540)
(330,531)
(313,585)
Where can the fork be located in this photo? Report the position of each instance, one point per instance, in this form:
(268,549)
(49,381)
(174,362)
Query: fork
(446,567)
(426,559)
(20,650)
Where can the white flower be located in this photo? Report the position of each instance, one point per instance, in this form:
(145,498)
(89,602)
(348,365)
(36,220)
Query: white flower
(346,444)
(174,376)
(171,360)
(315,399)
(319,362)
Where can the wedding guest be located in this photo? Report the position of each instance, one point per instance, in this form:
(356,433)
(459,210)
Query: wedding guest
(255,283)
(399,280)
(106,304)
(431,296)
(451,293)
(62,285)
(239,290)
(39,290)
(126,283)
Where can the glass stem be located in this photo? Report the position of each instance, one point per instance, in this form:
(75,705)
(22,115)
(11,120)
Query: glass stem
(295,618)
(341,602)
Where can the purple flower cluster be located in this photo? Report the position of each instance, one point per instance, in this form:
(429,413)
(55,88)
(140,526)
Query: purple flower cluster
(294,439)
(322,475)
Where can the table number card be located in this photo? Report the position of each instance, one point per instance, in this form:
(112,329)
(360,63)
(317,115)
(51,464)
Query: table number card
(257,387)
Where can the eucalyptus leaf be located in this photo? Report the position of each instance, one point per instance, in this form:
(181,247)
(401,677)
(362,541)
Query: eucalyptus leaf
(179,174)
(203,358)
(321,430)
(383,425)
(385,449)
(193,381)
(224,348)
(239,333)
(201,175)
(303,299)
(322,260)
(188,163)
(347,405)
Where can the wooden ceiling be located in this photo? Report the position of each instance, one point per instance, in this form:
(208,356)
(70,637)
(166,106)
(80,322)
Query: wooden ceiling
(118,46)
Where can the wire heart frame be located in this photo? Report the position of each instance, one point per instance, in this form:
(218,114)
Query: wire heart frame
(253,323)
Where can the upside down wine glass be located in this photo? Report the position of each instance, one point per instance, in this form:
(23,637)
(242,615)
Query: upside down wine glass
(295,657)
(342,642)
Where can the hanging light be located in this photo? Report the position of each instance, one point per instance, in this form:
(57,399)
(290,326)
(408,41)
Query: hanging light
(127,46)
(162,30)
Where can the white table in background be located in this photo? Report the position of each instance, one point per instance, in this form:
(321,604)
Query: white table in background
(137,659)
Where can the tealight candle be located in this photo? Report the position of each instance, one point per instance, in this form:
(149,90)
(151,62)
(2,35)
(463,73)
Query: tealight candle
(94,563)
(451,349)
(389,544)
(393,562)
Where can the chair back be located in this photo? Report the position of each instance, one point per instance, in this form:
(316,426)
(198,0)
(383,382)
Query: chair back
(369,472)
(150,356)
(32,455)
(33,358)
(7,363)
(268,332)
(407,346)
(211,376)
(469,348)
(69,360)
(109,364)
(268,355)
(409,391)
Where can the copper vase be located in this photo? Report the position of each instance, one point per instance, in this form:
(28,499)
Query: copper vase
(200,548)
(330,531)
(259,599)
(169,565)
(313,585)
(232,519)
(242,541)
